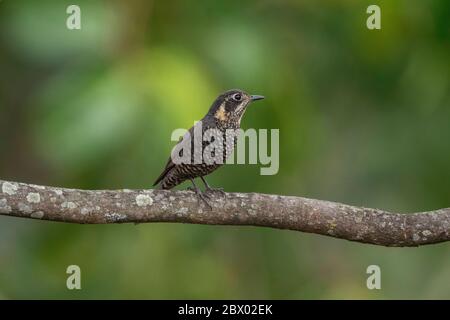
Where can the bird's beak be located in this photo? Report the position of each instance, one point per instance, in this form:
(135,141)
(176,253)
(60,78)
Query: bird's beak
(256,97)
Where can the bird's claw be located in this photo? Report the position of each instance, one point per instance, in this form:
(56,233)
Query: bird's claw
(216,190)
(203,196)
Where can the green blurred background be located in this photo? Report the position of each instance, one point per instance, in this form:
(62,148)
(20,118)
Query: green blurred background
(363,118)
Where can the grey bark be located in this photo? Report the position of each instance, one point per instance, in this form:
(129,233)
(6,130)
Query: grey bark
(282,212)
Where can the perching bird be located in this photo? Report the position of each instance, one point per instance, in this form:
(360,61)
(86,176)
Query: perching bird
(225,113)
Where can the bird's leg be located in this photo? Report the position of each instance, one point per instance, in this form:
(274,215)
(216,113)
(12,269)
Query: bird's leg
(199,193)
(210,189)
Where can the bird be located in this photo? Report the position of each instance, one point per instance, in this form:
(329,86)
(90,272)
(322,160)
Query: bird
(224,115)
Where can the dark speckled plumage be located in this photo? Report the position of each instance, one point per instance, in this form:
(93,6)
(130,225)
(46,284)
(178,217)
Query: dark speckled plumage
(225,113)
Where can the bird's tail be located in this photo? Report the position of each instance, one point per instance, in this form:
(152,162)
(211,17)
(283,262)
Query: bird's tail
(158,186)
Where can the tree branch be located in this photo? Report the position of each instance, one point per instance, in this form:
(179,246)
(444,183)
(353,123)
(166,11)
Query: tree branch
(283,212)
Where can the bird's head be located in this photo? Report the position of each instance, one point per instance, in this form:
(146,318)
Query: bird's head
(231,105)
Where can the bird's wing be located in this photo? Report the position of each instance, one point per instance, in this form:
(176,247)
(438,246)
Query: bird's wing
(190,133)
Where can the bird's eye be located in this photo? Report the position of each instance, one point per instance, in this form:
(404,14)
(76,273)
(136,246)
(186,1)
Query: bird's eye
(237,97)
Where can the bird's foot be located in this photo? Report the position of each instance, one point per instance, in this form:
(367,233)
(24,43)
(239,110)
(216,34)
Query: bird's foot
(203,196)
(216,190)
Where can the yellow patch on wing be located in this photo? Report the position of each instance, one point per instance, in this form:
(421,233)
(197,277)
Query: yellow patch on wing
(221,114)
